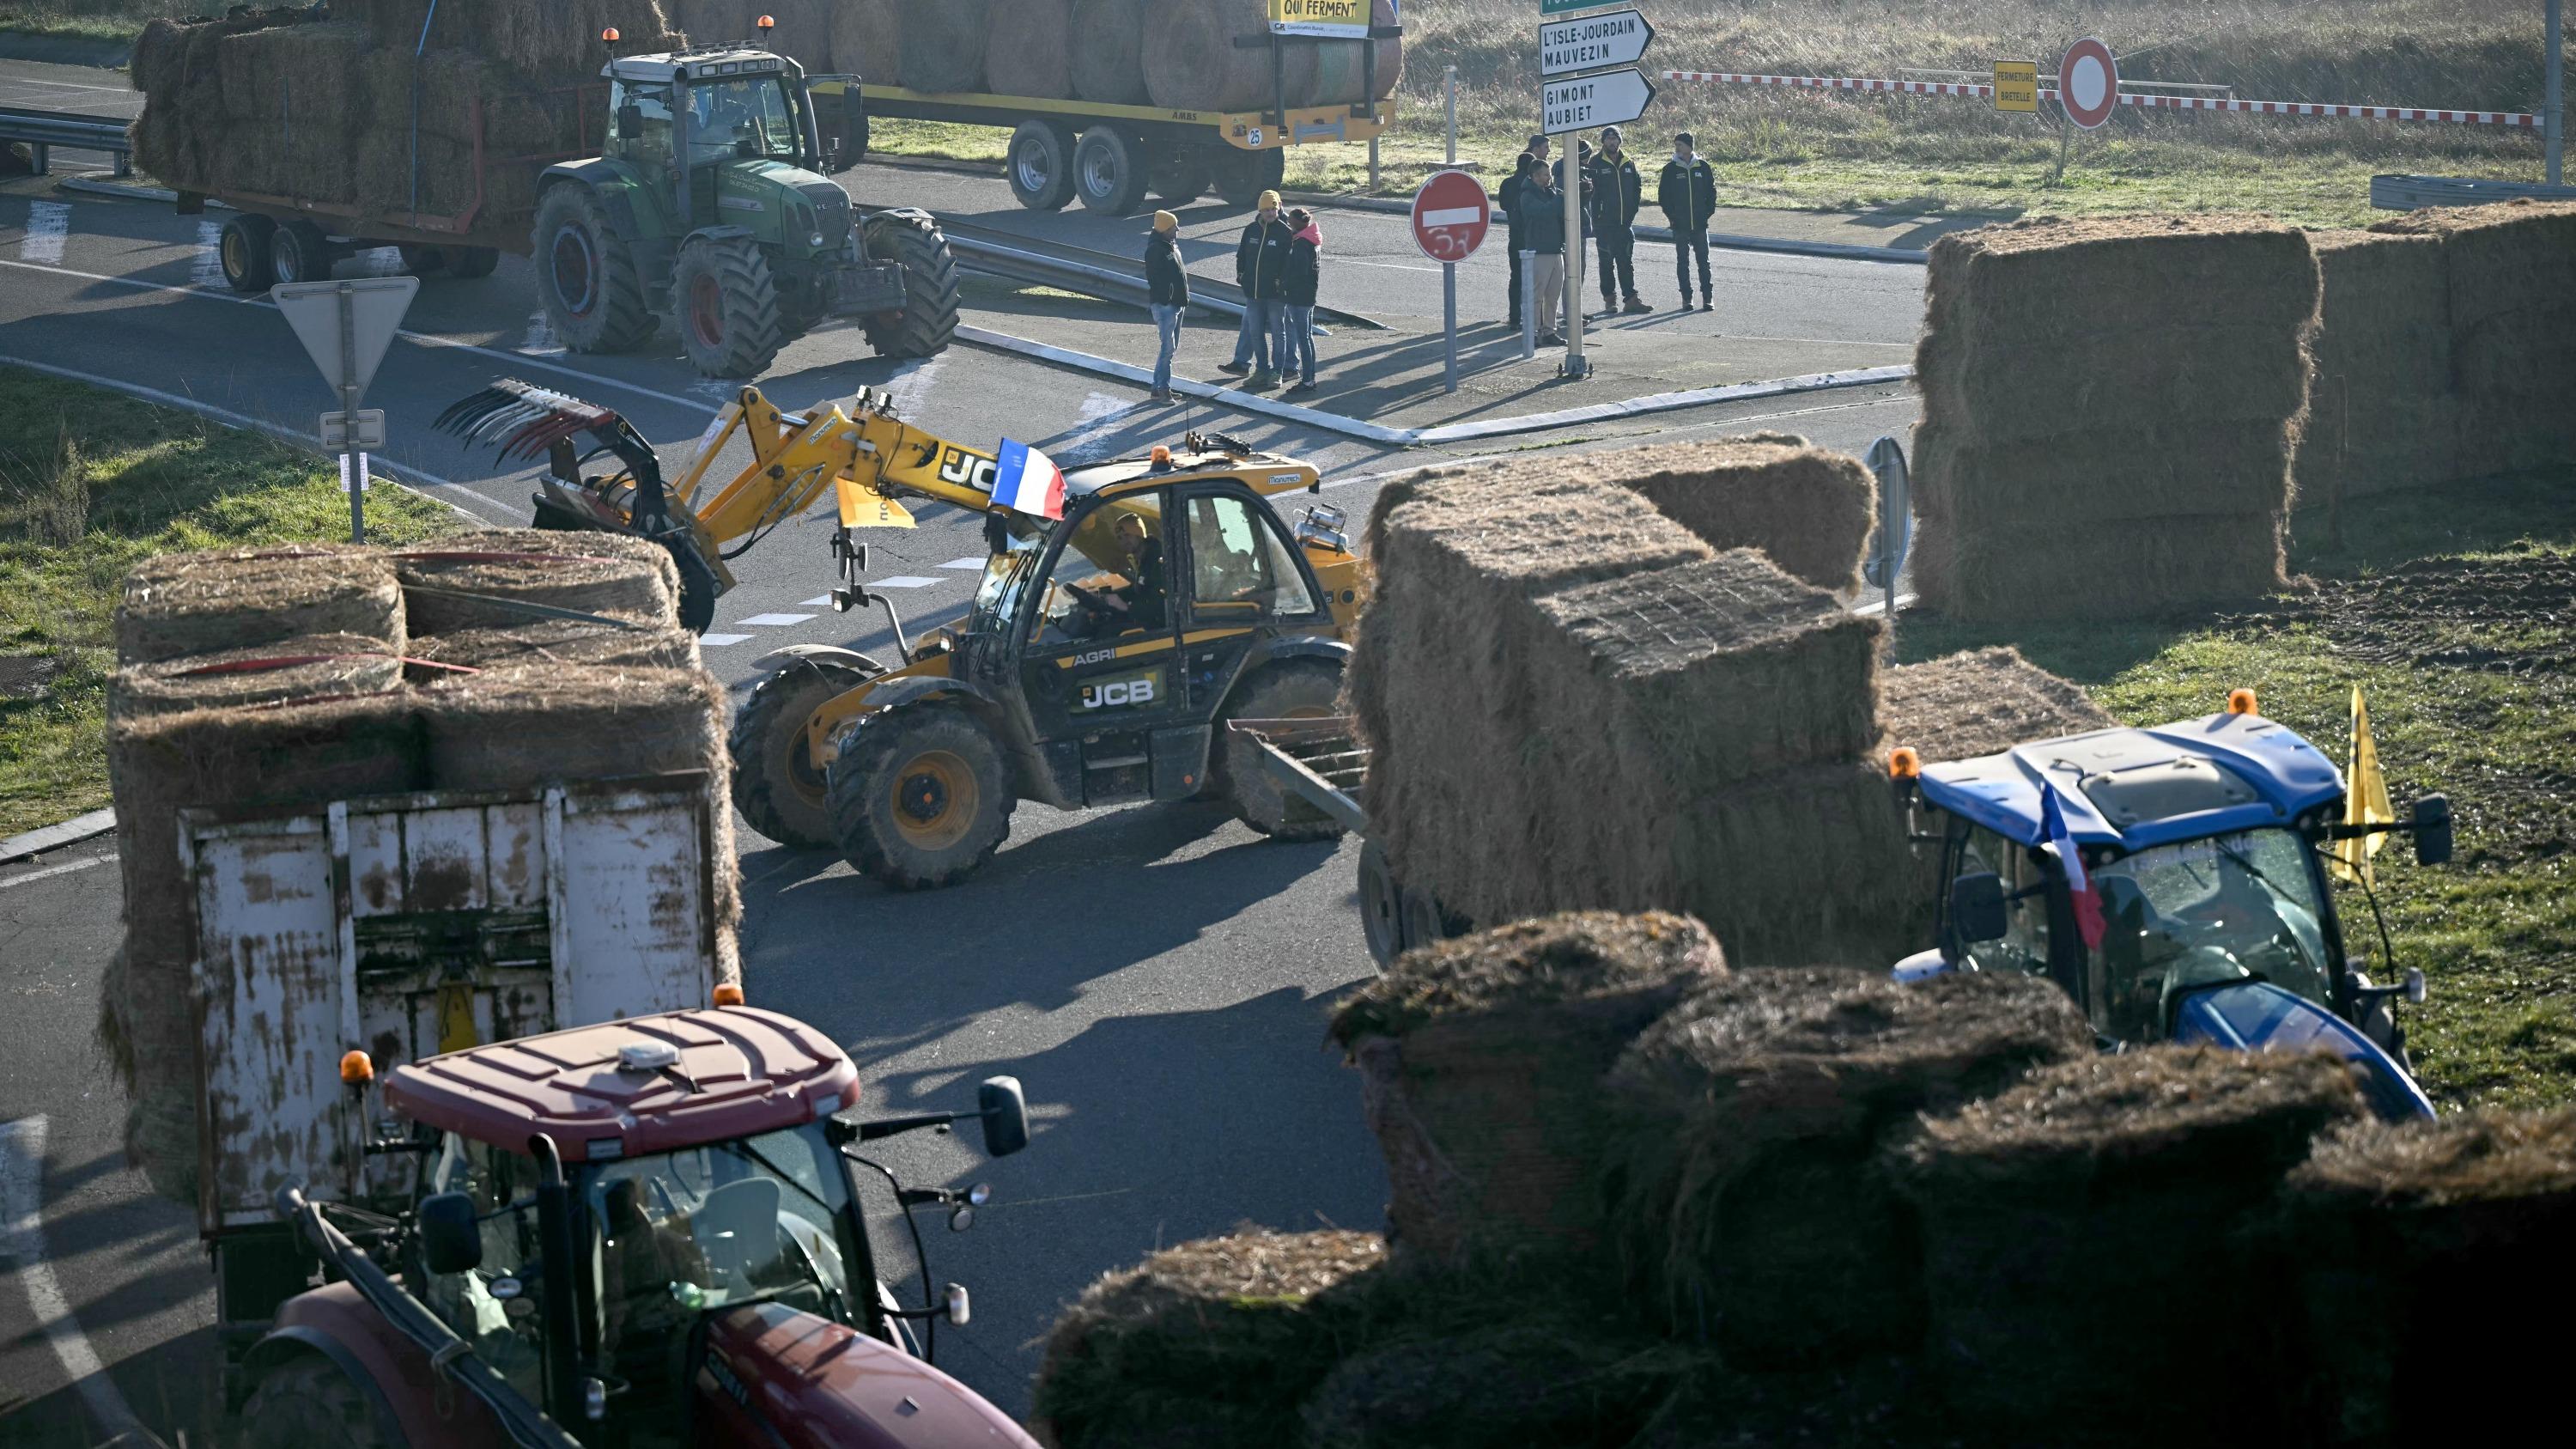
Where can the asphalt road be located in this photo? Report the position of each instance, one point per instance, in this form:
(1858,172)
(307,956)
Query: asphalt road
(1158,977)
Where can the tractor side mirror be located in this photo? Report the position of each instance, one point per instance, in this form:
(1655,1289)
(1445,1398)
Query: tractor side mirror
(1005,1110)
(630,122)
(2433,830)
(1977,906)
(451,1237)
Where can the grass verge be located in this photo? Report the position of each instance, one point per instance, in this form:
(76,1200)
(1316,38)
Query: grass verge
(91,19)
(90,484)
(2456,614)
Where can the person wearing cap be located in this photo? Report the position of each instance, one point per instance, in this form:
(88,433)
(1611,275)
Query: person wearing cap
(1167,284)
(1540,221)
(1688,195)
(1507,203)
(1617,193)
(1260,263)
(1303,278)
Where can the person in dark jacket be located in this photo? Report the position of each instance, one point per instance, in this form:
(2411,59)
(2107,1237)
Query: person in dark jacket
(1617,192)
(1507,204)
(1303,278)
(1688,195)
(1541,224)
(1260,260)
(1167,286)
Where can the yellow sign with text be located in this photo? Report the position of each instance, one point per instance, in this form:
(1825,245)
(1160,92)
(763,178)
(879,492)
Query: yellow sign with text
(2017,85)
(1337,19)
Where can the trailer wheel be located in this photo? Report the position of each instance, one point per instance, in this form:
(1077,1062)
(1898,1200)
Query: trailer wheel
(929,318)
(920,796)
(422,260)
(1425,920)
(1293,689)
(1040,165)
(470,264)
(776,784)
(1183,175)
(727,305)
(243,250)
(586,277)
(1109,171)
(298,252)
(1241,176)
(1381,906)
(309,1401)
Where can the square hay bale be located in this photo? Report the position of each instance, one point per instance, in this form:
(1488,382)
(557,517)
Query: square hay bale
(1499,1387)
(1980,702)
(1481,1060)
(2174,467)
(1798,866)
(2381,414)
(2418,1246)
(290,670)
(554,39)
(644,644)
(1977,570)
(198,603)
(473,580)
(2034,281)
(160,54)
(1811,510)
(293,101)
(1210,1342)
(1745,1167)
(2007,391)
(2058,1218)
(2511,269)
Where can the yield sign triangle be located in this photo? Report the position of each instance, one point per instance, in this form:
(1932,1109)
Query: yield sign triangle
(376,306)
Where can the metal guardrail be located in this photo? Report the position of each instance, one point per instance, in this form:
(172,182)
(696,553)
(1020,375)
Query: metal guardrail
(42,131)
(2411,193)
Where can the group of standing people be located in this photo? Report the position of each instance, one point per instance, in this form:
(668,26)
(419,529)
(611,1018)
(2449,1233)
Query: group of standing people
(1533,210)
(1279,265)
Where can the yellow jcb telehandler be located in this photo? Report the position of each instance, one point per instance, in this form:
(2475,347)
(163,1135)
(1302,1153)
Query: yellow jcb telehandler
(1104,652)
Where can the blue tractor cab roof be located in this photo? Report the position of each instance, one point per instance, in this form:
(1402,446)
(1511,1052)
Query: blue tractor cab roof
(2136,788)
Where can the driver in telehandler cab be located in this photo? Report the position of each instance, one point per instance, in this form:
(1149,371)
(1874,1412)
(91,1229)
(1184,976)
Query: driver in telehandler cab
(1138,604)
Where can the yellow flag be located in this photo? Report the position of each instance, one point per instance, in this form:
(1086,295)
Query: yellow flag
(864,507)
(2365,800)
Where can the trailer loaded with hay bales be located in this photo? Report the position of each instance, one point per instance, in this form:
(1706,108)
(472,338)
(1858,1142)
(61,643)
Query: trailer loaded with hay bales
(391,803)
(1114,100)
(650,181)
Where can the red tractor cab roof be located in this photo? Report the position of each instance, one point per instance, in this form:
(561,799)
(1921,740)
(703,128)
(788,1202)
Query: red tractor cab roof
(635,1087)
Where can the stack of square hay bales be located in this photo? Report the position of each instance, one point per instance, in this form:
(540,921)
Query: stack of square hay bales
(2382,412)
(1810,509)
(273,678)
(2109,411)
(1979,702)
(2509,273)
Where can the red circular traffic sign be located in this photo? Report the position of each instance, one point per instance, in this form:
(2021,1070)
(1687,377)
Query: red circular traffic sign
(1451,216)
(2088,83)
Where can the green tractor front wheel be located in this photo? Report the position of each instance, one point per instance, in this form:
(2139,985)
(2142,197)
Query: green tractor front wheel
(586,276)
(726,302)
(928,321)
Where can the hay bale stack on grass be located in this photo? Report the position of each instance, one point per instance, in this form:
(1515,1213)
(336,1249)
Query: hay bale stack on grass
(942,47)
(1211,1342)
(1481,1060)
(1811,510)
(632,644)
(1107,52)
(2511,272)
(473,580)
(2110,407)
(2382,414)
(288,670)
(198,603)
(1193,64)
(2418,1247)
(2060,1218)
(1030,50)
(1746,1175)
(1980,702)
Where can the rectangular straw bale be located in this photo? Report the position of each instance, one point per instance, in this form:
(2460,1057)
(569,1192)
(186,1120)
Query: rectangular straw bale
(2511,269)
(159,54)
(1802,865)
(2052,277)
(1810,509)
(1980,702)
(469,580)
(290,670)
(2143,569)
(2005,389)
(549,39)
(652,645)
(193,603)
(2168,468)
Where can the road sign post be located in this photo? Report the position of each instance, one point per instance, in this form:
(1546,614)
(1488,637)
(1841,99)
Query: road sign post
(1452,216)
(1576,93)
(346,327)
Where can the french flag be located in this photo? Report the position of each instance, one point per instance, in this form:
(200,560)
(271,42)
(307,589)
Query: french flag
(2079,886)
(1028,481)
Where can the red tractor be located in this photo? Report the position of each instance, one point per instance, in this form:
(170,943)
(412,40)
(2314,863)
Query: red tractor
(644,1233)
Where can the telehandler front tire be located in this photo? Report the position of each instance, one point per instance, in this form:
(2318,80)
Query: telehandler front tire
(726,301)
(920,795)
(776,784)
(1291,689)
(586,277)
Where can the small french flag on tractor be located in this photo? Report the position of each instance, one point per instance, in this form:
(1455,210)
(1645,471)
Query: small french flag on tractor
(1028,481)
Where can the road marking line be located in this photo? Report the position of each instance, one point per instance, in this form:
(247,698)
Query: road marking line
(718,641)
(209,268)
(771,621)
(902,581)
(1389,266)
(53,870)
(48,224)
(22,1234)
(824,602)
(976,564)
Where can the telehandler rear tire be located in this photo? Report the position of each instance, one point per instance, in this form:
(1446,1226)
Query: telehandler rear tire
(726,303)
(920,795)
(929,320)
(1291,689)
(776,784)
(307,1402)
(586,277)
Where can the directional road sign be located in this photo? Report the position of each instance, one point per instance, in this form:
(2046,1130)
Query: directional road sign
(2088,83)
(347,354)
(1589,42)
(1578,103)
(2016,85)
(1451,216)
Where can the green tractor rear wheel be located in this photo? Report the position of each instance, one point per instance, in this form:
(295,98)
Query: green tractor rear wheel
(586,277)
(928,321)
(726,301)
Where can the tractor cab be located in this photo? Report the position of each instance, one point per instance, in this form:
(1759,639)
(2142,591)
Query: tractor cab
(623,1225)
(2202,846)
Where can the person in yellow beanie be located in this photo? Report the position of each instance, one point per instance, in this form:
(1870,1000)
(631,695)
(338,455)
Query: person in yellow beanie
(1260,269)
(1168,284)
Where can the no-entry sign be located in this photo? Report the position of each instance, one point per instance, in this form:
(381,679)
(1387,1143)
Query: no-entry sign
(2088,83)
(1451,216)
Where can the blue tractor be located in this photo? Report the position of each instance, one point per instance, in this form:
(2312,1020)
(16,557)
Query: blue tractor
(2206,843)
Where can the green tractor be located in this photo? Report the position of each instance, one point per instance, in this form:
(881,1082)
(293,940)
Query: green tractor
(713,206)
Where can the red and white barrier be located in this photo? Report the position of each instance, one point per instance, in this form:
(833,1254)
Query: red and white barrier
(1976,90)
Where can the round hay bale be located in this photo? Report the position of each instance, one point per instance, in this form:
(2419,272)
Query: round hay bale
(1106,49)
(1030,49)
(1191,63)
(803,33)
(1341,66)
(2059,1218)
(942,45)
(1481,1061)
(867,39)
(2418,1246)
(648,645)
(470,581)
(318,666)
(1748,1124)
(1215,1330)
(1497,1388)
(197,603)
